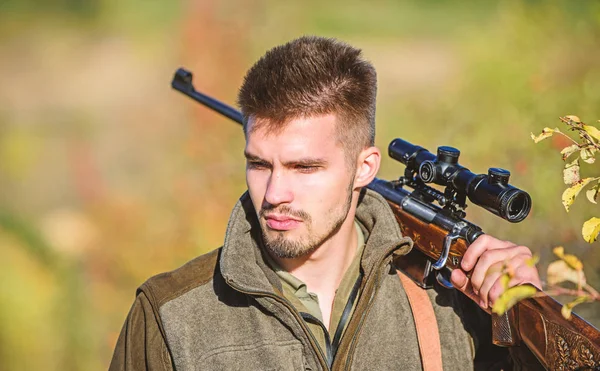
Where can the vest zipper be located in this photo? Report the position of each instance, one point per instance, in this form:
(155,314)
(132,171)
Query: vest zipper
(311,338)
(328,350)
(373,291)
(360,324)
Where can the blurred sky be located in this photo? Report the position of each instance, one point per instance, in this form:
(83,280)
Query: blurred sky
(108,176)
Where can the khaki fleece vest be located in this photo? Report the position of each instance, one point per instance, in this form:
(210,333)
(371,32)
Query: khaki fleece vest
(225,311)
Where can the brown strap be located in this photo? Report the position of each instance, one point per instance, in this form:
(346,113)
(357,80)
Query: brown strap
(426,324)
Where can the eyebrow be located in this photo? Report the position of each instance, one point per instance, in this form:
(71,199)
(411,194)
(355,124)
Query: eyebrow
(250,156)
(307,161)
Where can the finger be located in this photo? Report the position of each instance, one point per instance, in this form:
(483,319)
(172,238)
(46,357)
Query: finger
(518,268)
(498,289)
(461,282)
(459,279)
(482,244)
(463,285)
(493,274)
(524,274)
(491,257)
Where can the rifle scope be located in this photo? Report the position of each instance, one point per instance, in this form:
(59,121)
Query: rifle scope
(490,191)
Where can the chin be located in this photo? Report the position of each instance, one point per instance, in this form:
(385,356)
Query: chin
(290,254)
(287,248)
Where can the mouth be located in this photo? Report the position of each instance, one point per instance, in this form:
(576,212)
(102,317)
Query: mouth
(282,222)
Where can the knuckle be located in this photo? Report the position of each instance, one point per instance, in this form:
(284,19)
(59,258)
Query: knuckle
(518,261)
(486,239)
(525,251)
(489,257)
(526,272)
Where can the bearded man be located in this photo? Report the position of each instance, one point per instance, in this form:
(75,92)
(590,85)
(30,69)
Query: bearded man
(306,279)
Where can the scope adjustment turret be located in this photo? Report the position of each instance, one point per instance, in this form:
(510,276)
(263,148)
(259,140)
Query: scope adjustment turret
(498,176)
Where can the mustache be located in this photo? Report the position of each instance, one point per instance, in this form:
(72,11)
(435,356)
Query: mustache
(284,210)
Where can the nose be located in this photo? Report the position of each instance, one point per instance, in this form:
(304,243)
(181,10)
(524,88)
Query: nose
(279,190)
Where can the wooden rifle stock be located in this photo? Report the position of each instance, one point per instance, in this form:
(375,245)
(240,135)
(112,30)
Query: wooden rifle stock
(558,343)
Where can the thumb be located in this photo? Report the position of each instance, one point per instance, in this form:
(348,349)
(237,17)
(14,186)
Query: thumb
(459,279)
(462,283)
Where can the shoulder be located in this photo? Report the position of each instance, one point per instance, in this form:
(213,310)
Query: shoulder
(169,285)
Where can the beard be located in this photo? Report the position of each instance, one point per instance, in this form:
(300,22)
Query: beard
(281,246)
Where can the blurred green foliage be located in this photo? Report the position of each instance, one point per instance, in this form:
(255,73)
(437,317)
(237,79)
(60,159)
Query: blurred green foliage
(109,177)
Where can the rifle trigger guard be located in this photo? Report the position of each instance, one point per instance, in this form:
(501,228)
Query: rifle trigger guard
(448,241)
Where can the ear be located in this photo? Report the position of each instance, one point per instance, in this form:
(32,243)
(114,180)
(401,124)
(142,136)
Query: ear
(367,167)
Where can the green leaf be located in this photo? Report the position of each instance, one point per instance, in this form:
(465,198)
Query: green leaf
(546,133)
(568,308)
(568,196)
(569,150)
(559,271)
(592,131)
(590,229)
(511,297)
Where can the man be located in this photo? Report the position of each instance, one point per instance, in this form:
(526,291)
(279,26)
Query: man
(305,278)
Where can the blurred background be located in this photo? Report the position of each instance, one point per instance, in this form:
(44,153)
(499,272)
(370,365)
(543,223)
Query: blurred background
(108,176)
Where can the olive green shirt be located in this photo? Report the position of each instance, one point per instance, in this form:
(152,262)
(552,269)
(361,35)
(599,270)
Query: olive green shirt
(297,293)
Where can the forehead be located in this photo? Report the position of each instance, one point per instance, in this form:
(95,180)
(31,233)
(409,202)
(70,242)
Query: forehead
(315,134)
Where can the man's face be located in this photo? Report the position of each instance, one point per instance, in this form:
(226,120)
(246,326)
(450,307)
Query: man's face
(299,182)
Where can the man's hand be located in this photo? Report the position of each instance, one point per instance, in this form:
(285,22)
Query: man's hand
(485,259)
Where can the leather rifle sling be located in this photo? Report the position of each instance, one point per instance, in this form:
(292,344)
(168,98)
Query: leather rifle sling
(426,324)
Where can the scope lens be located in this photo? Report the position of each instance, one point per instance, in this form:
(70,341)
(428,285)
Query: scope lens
(517,207)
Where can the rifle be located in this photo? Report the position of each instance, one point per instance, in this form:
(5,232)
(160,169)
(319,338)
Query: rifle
(441,236)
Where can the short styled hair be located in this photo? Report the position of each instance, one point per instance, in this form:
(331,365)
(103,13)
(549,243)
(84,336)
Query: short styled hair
(312,76)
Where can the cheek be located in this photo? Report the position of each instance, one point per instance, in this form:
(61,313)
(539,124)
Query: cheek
(324,187)
(257,185)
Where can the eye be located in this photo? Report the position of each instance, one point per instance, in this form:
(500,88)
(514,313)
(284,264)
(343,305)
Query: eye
(306,168)
(257,165)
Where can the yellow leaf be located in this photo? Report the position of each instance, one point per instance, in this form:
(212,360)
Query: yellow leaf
(587,155)
(568,308)
(569,150)
(570,193)
(546,133)
(571,260)
(573,118)
(590,229)
(592,131)
(559,251)
(511,297)
(559,272)
(566,311)
(592,193)
(504,280)
(533,260)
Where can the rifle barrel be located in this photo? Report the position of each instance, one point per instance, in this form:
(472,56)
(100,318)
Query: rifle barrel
(182,82)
